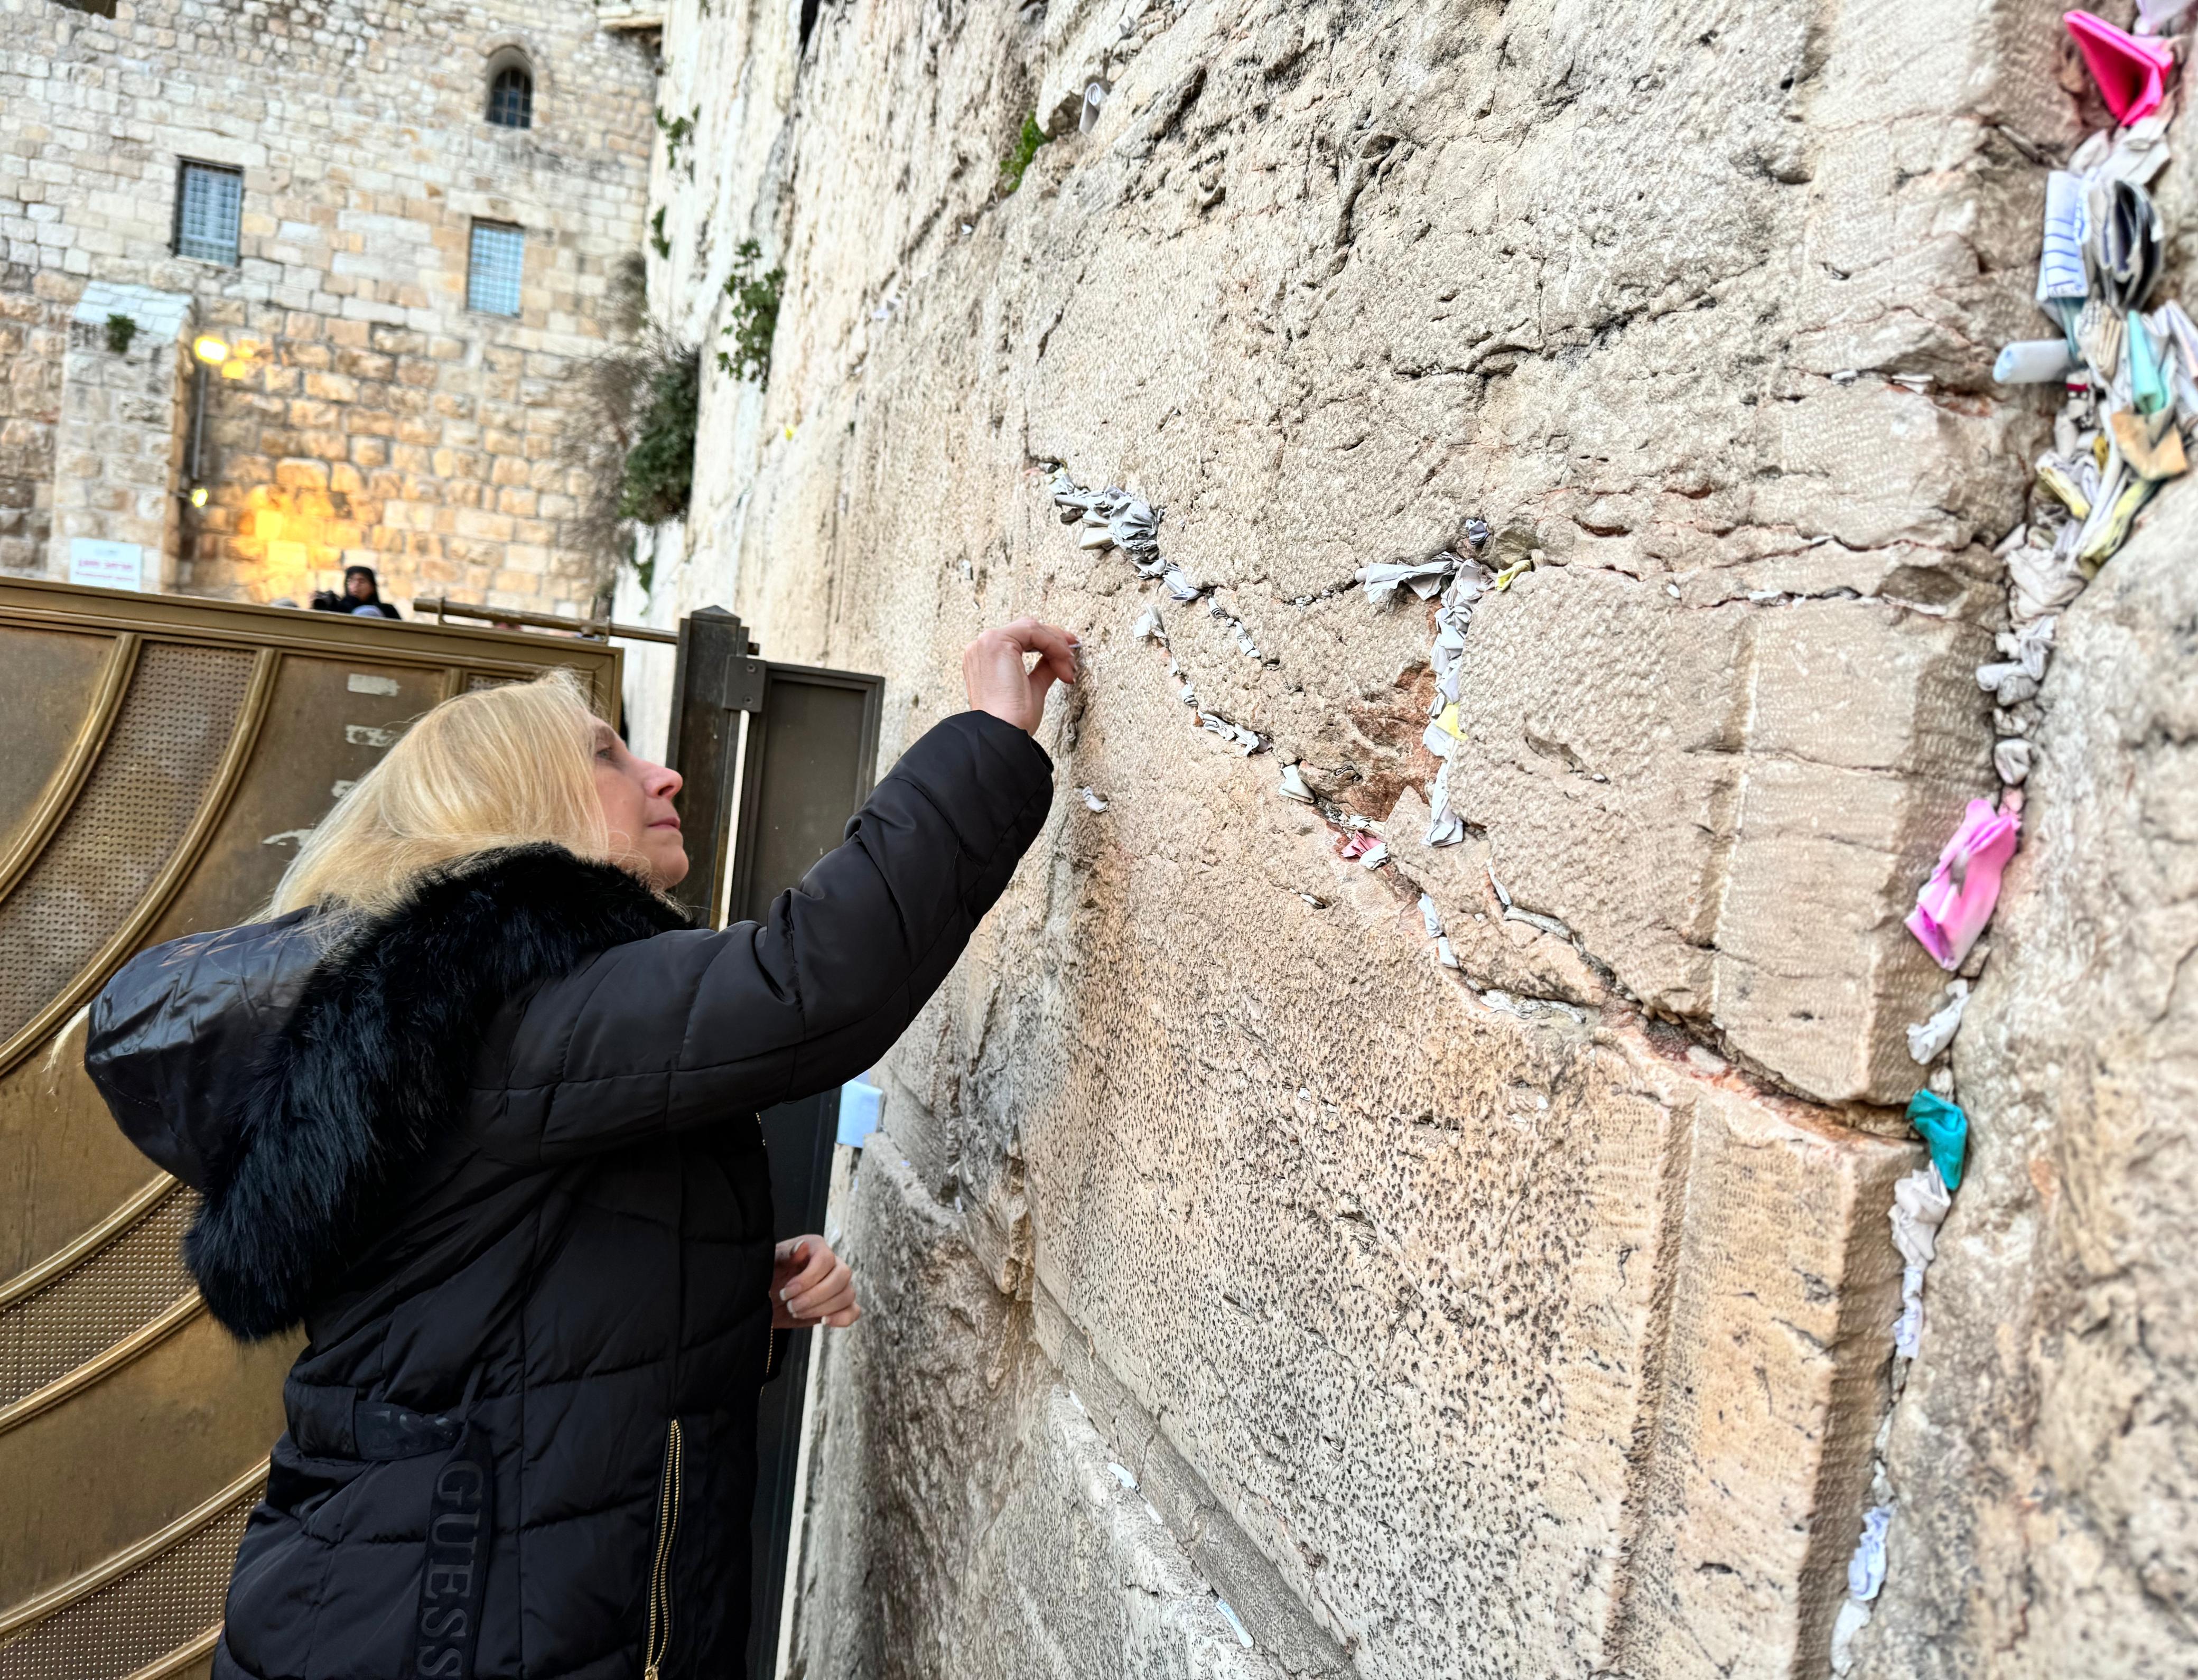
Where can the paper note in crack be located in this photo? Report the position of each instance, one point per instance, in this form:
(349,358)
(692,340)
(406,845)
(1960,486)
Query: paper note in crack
(1444,826)
(1866,1568)
(1955,904)
(1424,578)
(1245,740)
(1928,1039)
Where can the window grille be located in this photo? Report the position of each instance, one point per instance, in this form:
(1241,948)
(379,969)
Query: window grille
(209,202)
(493,275)
(511,98)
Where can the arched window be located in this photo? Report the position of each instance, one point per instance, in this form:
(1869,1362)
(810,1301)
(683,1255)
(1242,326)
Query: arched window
(511,97)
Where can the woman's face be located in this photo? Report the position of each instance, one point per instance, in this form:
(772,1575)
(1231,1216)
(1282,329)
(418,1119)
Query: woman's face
(636,797)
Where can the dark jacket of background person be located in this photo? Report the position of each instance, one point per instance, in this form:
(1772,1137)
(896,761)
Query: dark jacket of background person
(498,1151)
(368,606)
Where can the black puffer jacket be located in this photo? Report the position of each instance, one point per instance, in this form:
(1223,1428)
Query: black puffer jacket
(497,1151)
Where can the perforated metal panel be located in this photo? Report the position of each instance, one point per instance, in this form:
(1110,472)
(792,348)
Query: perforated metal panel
(158,1607)
(152,775)
(116,1290)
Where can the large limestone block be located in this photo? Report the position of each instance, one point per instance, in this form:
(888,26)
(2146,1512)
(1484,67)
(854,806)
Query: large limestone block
(2041,1454)
(966,1521)
(1732,807)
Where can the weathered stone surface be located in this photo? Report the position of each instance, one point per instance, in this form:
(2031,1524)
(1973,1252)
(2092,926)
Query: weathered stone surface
(965,1500)
(2043,1455)
(1532,1318)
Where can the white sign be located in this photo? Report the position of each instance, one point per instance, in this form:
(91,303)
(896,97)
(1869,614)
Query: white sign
(105,565)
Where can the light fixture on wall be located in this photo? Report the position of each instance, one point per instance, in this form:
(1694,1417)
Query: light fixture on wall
(211,352)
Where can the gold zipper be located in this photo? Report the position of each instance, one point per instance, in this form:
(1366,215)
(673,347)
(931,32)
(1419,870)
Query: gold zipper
(660,1575)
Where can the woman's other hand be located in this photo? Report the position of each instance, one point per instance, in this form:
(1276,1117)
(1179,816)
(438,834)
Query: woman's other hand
(992,669)
(810,1285)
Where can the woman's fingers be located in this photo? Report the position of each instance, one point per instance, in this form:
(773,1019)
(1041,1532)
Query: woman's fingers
(993,671)
(1055,646)
(817,1265)
(812,1285)
(834,1293)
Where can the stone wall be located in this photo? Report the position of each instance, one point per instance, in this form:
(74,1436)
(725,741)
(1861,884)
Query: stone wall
(369,417)
(1531,1316)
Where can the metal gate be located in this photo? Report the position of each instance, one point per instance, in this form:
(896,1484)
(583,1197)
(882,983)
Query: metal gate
(776,758)
(160,759)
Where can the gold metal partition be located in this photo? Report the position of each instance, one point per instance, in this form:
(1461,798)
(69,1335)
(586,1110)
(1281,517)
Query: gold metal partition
(160,757)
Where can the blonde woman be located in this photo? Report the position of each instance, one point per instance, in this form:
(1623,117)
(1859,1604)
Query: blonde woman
(477,1109)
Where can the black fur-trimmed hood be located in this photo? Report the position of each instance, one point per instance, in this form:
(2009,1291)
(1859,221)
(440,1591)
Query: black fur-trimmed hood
(291,1074)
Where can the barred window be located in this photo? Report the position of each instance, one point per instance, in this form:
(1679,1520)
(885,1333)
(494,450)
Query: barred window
(209,202)
(511,98)
(499,252)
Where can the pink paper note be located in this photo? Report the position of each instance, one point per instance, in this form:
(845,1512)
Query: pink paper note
(1958,901)
(2131,71)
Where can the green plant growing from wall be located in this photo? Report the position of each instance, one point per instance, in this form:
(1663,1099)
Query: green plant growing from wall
(675,132)
(627,445)
(753,319)
(657,241)
(659,475)
(121,332)
(1027,144)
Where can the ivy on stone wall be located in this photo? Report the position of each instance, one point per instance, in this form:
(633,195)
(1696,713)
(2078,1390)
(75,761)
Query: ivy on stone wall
(630,439)
(676,132)
(658,476)
(121,331)
(753,316)
(1027,144)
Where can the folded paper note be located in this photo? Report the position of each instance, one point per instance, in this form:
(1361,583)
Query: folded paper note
(2061,263)
(1945,1128)
(2131,72)
(1958,901)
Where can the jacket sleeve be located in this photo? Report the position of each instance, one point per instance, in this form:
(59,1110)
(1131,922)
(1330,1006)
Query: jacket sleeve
(687,1029)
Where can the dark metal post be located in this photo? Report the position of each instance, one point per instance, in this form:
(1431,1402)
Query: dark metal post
(716,677)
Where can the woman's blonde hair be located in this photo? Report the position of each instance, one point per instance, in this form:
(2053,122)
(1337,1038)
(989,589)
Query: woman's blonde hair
(505,766)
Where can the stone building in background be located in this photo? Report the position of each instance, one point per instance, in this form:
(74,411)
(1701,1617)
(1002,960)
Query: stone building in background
(395,224)
(1250,1294)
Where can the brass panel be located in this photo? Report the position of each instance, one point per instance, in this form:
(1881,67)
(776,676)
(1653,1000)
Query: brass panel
(64,685)
(65,1165)
(101,1298)
(321,734)
(516,654)
(123,1220)
(128,1455)
(116,946)
(153,776)
(140,1609)
(193,1661)
(163,761)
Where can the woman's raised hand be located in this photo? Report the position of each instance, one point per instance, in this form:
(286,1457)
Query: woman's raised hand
(997,681)
(810,1285)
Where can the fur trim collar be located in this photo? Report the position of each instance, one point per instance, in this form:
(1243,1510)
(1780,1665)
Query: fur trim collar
(374,1063)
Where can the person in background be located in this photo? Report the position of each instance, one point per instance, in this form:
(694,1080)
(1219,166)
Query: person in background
(477,1107)
(361,596)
